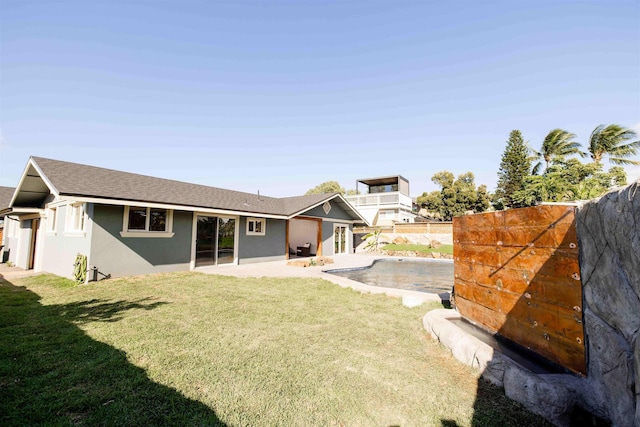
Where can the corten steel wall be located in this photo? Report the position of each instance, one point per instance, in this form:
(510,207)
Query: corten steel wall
(517,274)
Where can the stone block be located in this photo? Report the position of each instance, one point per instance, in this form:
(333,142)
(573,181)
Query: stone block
(545,397)
(611,369)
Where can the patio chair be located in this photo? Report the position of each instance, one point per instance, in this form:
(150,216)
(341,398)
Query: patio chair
(304,250)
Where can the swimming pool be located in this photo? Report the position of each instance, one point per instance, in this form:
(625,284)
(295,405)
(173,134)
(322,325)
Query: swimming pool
(431,276)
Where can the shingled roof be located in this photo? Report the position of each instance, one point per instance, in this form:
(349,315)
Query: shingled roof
(73,179)
(6,193)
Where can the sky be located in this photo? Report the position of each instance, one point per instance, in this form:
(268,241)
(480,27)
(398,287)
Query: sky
(280,96)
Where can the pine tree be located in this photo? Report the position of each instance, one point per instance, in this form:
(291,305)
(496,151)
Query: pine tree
(514,168)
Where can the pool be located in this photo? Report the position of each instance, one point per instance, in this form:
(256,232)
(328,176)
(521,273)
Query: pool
(431,276)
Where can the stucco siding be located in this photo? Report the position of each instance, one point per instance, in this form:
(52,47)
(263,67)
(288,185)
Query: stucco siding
(58,249)
(270,247)
(120,256)
(10,240)
(328,248)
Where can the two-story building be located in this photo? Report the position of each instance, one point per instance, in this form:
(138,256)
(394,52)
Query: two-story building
(386,200)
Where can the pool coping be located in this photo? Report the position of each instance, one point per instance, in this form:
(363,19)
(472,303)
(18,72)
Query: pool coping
(409,297)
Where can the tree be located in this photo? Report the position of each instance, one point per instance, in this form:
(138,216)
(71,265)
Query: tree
(556,145)
(326,187)
(613,141)
(567,181)
(514,168)
(456,197)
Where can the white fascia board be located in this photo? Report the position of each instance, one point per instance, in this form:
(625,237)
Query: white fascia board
(329,199)
(308,208)
(166,206)
(48,183)
(23,211)
(336,221)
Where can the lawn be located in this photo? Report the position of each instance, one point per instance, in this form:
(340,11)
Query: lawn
(445,249)
(195,349)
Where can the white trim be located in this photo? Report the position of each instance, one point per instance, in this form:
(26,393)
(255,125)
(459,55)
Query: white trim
(194,236)
(74,234)
(71,214)
(48,183)
(51,226)
(263,227)
(339,196)
(200,210)
(167,233)
(347,239)
(25,210)
(30,216)
(338,221)
(149,234)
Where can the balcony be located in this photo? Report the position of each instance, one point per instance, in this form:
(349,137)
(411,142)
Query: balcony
(392,199)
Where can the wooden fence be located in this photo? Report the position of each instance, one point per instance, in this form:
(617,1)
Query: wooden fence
(411,227)
(517,274)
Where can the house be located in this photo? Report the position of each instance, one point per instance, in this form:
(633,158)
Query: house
(385,202)
(6,193)
(129,224)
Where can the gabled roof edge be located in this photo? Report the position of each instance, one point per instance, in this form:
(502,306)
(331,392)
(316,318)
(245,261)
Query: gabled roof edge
(47,182)
(330,196)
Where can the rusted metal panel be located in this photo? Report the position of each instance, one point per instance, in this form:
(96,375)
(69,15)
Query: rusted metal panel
(517,274)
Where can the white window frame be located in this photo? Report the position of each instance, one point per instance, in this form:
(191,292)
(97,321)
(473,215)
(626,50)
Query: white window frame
(73,219)
(52,220)
(167,233)
(252,226)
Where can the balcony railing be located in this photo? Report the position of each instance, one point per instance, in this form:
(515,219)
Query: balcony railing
(380,199)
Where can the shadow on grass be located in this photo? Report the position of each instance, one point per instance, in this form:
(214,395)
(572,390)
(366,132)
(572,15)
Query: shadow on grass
(52,373)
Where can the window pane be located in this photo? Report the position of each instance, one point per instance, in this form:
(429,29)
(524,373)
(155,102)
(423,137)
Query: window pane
(158,220)
(251,223)
(137,218)
(258,226)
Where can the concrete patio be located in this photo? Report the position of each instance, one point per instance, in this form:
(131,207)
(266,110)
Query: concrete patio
(281,269)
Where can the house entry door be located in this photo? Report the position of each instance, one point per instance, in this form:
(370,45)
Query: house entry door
(215,240)
(340,239)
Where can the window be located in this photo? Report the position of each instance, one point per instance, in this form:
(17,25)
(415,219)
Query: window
(75,217)
(52,218)
(147,222)
(386,214)
(256,226)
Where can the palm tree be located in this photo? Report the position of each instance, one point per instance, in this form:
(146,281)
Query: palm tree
(613,140)
(556,145)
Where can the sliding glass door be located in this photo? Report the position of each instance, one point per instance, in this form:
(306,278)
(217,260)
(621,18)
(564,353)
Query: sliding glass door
(215,240)
(226,240)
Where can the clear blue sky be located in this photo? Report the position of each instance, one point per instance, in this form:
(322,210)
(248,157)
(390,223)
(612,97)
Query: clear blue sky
(280,96)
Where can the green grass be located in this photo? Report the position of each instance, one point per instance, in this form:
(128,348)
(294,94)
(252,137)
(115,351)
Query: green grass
(195,349)
(445,249)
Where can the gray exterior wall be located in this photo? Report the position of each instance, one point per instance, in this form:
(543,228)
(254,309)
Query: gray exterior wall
(128,256)
(327,237)
(270,247)
(58,249)
(10,249)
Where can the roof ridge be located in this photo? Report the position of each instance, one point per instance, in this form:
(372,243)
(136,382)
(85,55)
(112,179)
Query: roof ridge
(35,158)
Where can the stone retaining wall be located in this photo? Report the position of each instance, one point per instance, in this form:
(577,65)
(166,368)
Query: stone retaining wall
(609,241)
